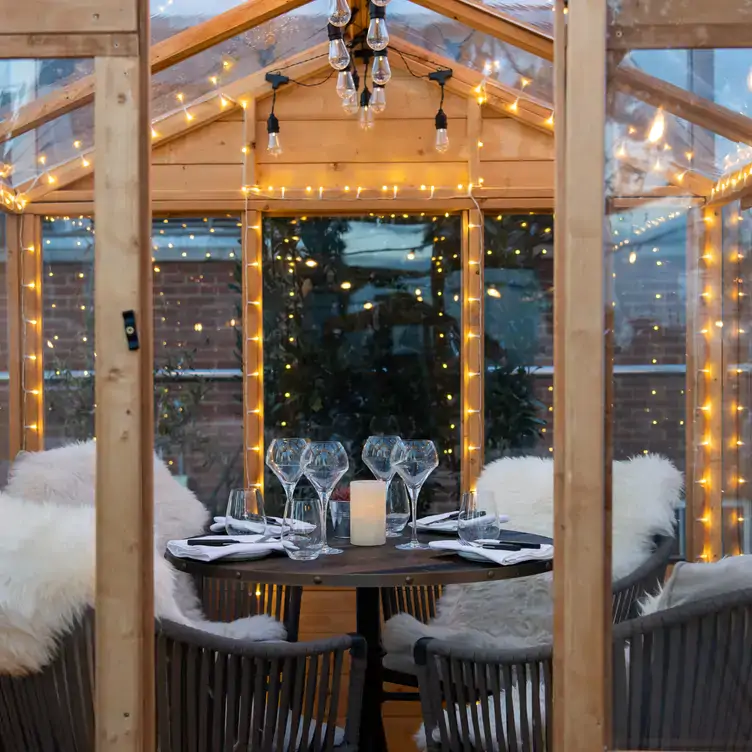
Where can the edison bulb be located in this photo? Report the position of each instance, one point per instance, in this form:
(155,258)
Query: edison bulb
(365,118)
(273,146)
(380,71)
(339,13)
(350,103)
(442,140)
(345,83)
(339,57)
(378,99)
(381,3)
(378,34)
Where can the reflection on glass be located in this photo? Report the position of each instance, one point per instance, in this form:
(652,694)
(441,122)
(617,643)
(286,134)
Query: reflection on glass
(362,335)
(197,396)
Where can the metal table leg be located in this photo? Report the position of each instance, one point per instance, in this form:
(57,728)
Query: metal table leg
(368,614)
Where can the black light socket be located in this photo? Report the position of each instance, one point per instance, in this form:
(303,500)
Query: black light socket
(380,53)
(356,78)
(377,11)
(441,120)
(276,80)
(272,124)
(334,32)
(365,97)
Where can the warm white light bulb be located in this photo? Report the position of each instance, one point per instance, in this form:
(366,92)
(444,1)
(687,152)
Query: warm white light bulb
(378,99)
(442,140)
(378,34)
(339,57)
(345,83)
(365,118)
(339,13)
(381,72)
(273,146)
(658,128)
(350,103)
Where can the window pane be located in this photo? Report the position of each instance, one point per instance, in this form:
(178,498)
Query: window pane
(198,394)
(362,335)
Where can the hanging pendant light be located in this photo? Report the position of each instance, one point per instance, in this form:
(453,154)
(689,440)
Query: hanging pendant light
(381,72)
(339,13)
(339,57)
(378,35)
(378,99)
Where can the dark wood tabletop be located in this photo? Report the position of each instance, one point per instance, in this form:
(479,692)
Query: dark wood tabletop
(363,566)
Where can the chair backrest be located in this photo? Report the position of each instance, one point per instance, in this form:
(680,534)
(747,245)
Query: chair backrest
(682,680)
(227,600)
(213,694)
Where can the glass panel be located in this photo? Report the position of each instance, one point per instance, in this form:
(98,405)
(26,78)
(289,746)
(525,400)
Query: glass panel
(198,393)
(502,62)
(362,335)
(519,263)
(536,13)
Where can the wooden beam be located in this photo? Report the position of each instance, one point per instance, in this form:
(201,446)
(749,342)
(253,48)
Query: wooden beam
(680,24)
(693,182)
(163,55)
(464,81)
(306,63)
(493,22)
(684,104)
(582,612)
(124,397)
(70,17)
(732,186)
(67,45)
(13,279)
(253,351)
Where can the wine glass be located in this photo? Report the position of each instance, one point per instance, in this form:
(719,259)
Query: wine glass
(245,513)
(324,463)
(478,520)
(414,460)
(302,529)
(377,455)
(283,459)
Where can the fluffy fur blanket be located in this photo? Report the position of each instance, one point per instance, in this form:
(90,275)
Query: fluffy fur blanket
(47,555)
(519,613)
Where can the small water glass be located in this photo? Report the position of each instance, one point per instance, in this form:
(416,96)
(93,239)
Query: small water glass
(302,530)
(478,519)
(397,508)
(245,513)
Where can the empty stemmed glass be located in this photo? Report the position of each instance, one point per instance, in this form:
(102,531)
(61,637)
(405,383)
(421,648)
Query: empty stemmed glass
(283,459)
(414,460)
(324,463)
(377,455)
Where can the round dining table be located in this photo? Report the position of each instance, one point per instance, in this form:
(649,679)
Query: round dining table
(366,569)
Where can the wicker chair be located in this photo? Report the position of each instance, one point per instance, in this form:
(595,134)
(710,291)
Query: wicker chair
(420,602)
(213,694)
(682,680)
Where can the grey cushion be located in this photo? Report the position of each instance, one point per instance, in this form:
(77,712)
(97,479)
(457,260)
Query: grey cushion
(402,662)
(693,582)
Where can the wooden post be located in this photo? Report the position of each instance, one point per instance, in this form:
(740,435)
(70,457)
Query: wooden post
(708,406)
(473,302)
(582,613)
(124,396)
(253,350)
(472,348)
(26,361)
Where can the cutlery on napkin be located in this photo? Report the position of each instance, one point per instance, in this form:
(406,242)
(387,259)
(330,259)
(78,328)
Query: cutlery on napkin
(447,522)
(215,548)
(273,526)
(501,556)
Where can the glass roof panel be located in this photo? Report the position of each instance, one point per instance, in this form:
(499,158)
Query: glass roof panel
(34,156)
(537,13)
(481,52)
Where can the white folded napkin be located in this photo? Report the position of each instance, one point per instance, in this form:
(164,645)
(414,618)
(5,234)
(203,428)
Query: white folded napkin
(432,522)
(249,544)
(273,526)
(496,555)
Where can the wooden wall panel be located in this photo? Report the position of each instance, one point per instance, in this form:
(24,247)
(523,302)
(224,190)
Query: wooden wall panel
(505,138)
(217,143)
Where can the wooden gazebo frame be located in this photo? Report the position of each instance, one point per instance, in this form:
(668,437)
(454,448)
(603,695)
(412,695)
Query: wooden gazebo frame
(116,34)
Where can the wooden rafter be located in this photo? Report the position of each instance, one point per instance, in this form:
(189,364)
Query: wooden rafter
(205,111)
(692,181)
(684,104)
(488,20)
(733,185)
(164,54)
(464,81)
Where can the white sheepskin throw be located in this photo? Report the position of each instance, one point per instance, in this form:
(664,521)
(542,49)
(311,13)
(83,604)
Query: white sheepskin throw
(47,557)
(519,613)
(67,476)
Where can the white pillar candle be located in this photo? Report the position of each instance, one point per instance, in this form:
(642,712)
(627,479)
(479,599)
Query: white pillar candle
(368,513)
